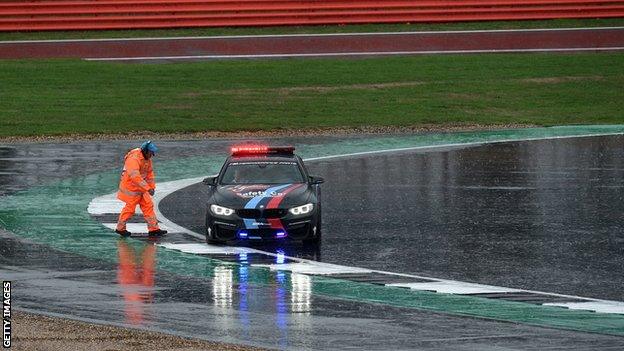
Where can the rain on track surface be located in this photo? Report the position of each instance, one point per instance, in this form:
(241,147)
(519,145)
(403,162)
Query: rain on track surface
(199,307)
(358,44)
(230,308)
(537,215)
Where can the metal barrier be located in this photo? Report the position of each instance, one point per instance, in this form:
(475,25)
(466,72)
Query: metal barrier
(135,14)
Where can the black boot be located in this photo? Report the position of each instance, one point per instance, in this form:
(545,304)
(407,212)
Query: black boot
(123,233)
(157,232)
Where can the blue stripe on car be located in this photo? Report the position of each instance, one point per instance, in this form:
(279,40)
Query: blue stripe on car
(250,223)
(254,202)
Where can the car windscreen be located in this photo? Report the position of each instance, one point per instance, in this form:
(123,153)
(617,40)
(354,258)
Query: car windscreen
(262,173)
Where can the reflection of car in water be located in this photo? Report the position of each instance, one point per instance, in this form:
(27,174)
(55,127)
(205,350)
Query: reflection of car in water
(263,193)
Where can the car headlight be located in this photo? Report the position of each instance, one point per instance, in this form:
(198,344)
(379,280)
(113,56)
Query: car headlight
(299,210)
(221,211)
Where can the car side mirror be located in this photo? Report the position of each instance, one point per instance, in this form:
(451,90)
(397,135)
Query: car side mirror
(210,181)
(316,180)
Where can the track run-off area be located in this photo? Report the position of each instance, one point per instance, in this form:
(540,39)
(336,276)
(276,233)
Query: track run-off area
(321,45)
(57,248)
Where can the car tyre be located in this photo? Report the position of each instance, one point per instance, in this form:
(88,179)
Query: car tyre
(312,242)
(214,241)
(316,240)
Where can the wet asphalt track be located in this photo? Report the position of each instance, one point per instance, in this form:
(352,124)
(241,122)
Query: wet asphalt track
(72,286)
(541,215)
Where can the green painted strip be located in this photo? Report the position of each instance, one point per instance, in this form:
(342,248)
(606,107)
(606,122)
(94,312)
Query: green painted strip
(56,215)
(517,312)
(199,266)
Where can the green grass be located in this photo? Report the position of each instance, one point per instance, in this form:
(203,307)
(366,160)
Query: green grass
(561,23)
(62,97)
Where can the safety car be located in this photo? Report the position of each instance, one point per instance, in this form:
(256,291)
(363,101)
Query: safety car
(263,193)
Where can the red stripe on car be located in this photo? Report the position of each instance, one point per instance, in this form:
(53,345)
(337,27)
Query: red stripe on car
(276,223)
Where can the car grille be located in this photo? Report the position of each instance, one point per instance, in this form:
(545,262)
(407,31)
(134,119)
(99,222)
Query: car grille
(262,233)
(254,213)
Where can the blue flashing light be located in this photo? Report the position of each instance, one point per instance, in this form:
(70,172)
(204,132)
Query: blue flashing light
(243,235)
(280,234)
(281,278)
(281,258)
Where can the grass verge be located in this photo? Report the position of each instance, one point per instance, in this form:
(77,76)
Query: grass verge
(60,97)
(365,28)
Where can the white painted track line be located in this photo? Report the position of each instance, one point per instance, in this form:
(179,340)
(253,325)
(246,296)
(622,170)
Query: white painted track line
(164,189)
(348,54)
(596,306)
(107,204)
(137,228)
(204,249)
(315,268)
(452,287)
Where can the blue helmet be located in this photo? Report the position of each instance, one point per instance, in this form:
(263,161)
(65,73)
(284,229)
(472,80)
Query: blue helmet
(149,146)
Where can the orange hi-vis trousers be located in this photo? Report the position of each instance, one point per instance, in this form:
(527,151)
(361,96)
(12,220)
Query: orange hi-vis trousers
(147,207)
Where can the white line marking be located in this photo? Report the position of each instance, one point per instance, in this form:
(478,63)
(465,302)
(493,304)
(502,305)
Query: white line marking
(167,188)
(314,267)
(107,204)
(596,306)
(452,287)
(312,35)
(203,249)
(363,53)
(134,228)
(470,144)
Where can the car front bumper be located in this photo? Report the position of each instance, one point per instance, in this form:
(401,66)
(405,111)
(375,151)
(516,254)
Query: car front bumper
(237,228)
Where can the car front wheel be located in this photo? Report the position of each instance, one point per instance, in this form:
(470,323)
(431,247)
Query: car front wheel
(315,239)
(212,241)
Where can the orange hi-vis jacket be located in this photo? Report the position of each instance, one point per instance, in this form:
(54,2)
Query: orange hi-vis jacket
(137,176)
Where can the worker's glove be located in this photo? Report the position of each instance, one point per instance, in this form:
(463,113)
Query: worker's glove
(151,192)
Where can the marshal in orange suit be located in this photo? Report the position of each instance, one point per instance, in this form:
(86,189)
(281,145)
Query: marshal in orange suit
(137,187)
